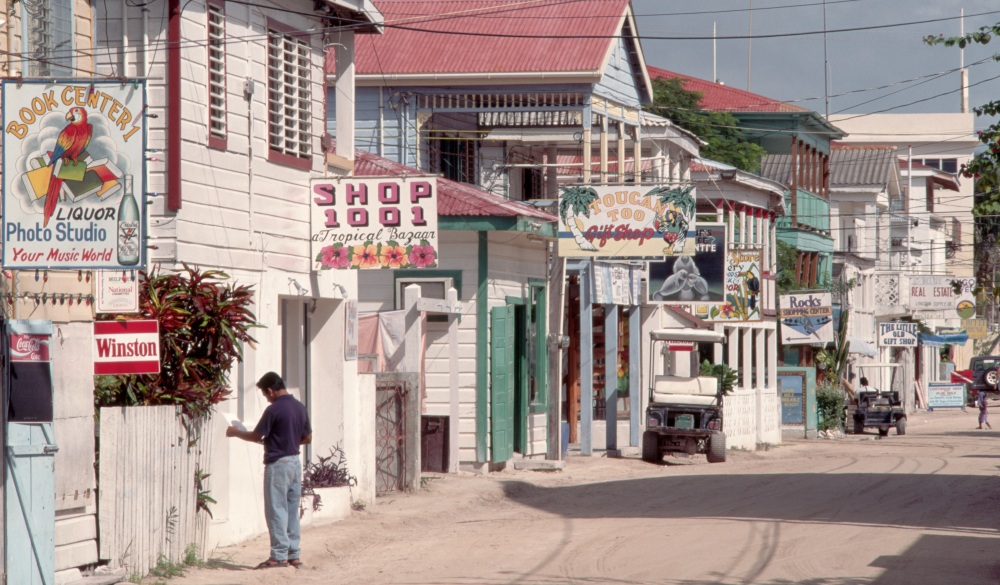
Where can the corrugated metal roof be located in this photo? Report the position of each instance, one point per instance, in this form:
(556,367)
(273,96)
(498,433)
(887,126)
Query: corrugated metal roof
(718,97)
(777,167)
(466,36)
(454,199)
(861,165)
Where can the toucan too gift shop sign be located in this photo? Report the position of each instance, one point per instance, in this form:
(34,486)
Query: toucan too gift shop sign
(626,221)
(374,222)
(73,174)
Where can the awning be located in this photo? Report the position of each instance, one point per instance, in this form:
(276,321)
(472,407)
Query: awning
(943,339)
(859,346)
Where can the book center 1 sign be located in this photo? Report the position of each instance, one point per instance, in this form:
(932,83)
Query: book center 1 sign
(73,174)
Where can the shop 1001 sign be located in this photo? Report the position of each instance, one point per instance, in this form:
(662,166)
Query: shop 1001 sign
(382,222)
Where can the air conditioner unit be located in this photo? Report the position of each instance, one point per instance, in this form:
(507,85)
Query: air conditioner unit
(852,243)
(897,242)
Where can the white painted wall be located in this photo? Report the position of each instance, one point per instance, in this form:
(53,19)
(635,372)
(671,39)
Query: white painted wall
(249,217)
(513,260)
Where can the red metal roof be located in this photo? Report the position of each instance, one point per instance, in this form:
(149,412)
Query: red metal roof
(454,199)
(466,36)
(718,97)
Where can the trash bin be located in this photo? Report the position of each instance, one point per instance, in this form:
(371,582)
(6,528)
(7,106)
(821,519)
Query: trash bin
(564,440)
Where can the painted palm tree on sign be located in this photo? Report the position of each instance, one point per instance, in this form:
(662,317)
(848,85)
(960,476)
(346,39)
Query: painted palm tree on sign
(679,206)
(573,202)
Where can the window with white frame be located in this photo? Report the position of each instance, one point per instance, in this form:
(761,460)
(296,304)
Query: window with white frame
(289,97)
(48,37)
(430,288)
(217,132)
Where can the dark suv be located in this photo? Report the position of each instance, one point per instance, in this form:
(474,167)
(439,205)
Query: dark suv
(985,376)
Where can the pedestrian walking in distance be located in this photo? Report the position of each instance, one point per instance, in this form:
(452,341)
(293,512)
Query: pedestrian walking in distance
(283,427)
(984,415)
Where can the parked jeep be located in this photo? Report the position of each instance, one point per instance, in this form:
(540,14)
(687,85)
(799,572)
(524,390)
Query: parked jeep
(985,377)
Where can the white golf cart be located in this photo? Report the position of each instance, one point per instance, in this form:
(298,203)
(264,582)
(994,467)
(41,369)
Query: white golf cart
(684,414)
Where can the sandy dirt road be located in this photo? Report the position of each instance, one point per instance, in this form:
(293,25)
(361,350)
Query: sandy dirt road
(922,509)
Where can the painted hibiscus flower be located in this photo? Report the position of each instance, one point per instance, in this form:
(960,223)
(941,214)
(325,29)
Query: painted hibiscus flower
(393,256)
(423,256)
(365,256)
(728,310)
(335,257)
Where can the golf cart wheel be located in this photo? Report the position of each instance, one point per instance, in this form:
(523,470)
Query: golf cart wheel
(717,448)
(883,431)
(859,427)
(651,447)
(992,377)
(901,426)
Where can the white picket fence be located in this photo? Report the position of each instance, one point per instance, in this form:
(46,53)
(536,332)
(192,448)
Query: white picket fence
(147,497)
(752,418)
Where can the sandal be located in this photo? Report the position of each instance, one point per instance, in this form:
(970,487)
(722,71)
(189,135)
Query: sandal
(271,563)
(295,562)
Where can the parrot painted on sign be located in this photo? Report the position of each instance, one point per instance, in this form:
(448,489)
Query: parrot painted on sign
(70,144)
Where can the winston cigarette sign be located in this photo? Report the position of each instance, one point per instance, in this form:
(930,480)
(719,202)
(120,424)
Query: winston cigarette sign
(126,347)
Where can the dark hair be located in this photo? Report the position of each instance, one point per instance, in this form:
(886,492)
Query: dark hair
(864,381)
(271,381)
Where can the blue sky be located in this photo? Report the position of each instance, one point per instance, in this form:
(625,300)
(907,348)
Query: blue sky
(883,69)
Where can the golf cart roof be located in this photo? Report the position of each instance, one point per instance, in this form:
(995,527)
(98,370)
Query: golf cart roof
(680,334)
(879,365)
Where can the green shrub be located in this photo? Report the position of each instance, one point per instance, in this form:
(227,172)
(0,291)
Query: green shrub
(830,405)
(204,323)
(727,376)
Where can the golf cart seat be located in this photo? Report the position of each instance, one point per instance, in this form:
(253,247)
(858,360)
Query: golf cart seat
(700,390)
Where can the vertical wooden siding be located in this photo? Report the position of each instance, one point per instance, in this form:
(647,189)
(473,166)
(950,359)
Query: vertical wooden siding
(147,496)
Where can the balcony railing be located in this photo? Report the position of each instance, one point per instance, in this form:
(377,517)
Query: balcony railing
(811,212)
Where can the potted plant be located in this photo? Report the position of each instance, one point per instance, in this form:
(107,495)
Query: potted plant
(326,489)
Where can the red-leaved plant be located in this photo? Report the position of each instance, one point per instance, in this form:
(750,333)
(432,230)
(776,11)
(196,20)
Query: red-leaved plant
(203,324)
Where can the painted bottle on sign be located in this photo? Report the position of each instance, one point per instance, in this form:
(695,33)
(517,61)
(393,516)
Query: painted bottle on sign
(128,227)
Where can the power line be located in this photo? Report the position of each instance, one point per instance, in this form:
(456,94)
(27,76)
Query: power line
(690,38)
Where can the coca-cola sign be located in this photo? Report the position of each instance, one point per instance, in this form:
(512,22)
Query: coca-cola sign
(27,347)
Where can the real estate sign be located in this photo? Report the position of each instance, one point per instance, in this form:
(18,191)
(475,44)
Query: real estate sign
(626,221)
(74,174)
(938,293)
(374,222)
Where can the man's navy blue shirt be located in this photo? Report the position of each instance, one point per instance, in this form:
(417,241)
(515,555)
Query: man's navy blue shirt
(284,423)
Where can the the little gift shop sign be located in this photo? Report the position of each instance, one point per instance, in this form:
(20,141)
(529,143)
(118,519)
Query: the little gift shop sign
(374,222)
(897,334)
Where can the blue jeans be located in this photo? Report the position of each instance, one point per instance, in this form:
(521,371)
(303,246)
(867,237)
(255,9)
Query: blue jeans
(282,493)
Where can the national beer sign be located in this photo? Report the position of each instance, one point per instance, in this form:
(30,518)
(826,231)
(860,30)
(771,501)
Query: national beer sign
(126,347)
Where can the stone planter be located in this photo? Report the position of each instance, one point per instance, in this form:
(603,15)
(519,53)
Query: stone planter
(335,505)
